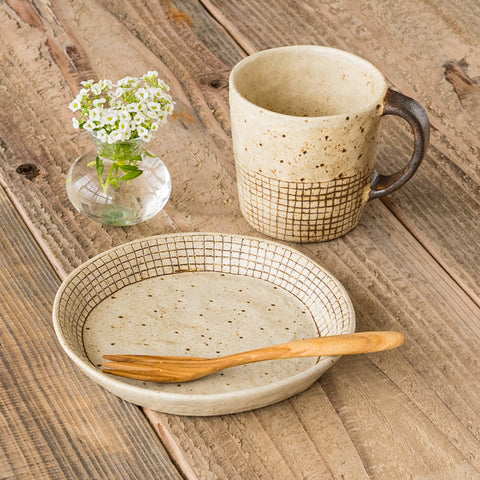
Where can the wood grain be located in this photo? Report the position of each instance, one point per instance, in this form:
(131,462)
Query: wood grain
(168,369)
(393,36)
(377,228)
(411,265)
(55,423)
(468,91)
(431,376)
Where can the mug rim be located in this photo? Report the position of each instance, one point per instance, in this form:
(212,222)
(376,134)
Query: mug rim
(254,56)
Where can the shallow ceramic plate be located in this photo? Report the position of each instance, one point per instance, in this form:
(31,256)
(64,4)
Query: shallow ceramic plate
(201,294)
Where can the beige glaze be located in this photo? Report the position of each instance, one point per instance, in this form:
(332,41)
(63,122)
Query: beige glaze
(201,314)
(201,294)
(305,131)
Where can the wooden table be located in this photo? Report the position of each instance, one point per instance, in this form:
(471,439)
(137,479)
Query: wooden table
(411,265)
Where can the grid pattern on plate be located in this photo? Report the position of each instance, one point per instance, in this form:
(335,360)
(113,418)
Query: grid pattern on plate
(166,255)
(301,211)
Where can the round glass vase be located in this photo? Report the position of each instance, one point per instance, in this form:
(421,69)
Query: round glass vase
(127,202)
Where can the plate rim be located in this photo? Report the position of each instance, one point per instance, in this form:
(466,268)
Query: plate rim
(113,384)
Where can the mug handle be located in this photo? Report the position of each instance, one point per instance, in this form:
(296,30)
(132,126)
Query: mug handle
(396,103)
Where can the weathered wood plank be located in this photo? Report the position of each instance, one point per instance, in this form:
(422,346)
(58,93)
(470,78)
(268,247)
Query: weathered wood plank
(410,281)
(410,42)
(202,185)
(55,423)
(451,163)
(422,399)
(394,282)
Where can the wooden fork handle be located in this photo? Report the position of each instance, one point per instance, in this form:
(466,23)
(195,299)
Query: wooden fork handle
(348,344)
(181,369)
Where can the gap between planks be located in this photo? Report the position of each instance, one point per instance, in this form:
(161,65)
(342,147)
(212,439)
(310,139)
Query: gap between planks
(237,38)
(423,241)
(43,245)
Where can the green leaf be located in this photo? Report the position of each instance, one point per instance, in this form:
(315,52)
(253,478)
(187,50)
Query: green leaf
(127,168)
(99,166)
(131,175)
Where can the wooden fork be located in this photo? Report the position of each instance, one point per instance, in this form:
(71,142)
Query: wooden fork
(168,369)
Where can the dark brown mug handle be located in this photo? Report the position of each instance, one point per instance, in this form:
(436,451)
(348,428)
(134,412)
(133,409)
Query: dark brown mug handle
(395,103)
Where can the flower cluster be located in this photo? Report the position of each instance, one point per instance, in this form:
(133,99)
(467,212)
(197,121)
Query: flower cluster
(117,112)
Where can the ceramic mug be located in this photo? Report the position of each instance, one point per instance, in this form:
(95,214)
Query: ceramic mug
(305,126)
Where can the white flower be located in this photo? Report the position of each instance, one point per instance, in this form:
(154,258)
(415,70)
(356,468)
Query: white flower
(110,139)
(160,94)
(124,116)
(142,94)
(119,91)
(117,136)
(146,137)
(129,108)
(151,74)
(110,117)
(124,127)
(96,89)
(96,114)
(116,104)
(155,112)
(163,85)
(89,125)
(162,118)
(99,101)
(132,107)
(128,82)
(104,84)
(101,135)
(143,107)
(75,105)
(139,118)
(154,106)
(142,131)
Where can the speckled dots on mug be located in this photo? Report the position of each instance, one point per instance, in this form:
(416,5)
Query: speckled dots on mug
(305,123)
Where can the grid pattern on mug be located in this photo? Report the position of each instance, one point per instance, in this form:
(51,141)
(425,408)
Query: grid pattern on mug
(301,211)
(226,254)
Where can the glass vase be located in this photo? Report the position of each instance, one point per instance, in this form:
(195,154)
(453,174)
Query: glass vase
(96,188)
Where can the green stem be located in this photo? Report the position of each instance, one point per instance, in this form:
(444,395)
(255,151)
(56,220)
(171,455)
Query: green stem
(124,158)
